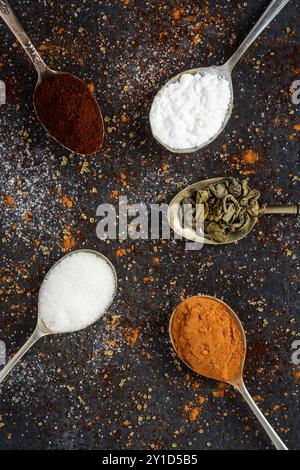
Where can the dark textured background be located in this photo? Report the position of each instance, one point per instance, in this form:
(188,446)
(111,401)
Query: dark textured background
(101,388)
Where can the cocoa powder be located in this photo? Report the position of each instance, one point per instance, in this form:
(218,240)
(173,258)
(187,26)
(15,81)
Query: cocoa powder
(68,110)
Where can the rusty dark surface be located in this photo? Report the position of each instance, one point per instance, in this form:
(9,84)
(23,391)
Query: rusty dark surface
(117,385)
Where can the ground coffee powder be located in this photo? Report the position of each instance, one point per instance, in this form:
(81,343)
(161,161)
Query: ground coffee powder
(68,110)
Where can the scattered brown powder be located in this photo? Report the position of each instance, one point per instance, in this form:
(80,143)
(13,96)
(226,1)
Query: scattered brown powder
(69,242)
(121,252)
(67,202)
(194,414)
(218,393)
(114,194)
(27,216)
(257,398)
(133,336)
(91,87)
(250,157)
(201,400)
(127,423)
(297,374)
(9,200)
(177,13)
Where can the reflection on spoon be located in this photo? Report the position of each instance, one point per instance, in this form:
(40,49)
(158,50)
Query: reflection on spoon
(209,338)
(73,301)
(175,219)
(223,72)
(64,104)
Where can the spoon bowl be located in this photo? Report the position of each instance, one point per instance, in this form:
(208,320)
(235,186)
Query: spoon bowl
(226,70)
(220,71)
(237,382)
(44,75)
(44,72)
(99,255)
(192,235)
(42,329)
(239,378)
(188,233)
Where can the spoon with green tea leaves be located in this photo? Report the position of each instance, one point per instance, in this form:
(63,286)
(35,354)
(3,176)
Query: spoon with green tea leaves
(64,104)
(219,211)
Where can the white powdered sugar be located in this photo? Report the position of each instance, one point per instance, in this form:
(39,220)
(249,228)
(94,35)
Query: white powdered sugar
(76,292)
(191,111)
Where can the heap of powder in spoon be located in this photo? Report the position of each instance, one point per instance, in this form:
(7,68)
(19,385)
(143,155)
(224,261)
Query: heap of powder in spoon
(77,291)
(68,110)
(208,338)
(191,111)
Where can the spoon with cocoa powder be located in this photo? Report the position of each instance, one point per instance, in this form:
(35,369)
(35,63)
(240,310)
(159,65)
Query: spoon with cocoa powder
(64,104)
(209,338)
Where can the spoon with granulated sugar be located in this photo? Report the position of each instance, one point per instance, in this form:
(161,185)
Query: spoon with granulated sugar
(197,338)
(75,293)
(61,100)
(186,121)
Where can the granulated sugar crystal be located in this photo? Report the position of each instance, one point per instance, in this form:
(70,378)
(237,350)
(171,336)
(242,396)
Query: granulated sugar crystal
(76,292)
(190,112)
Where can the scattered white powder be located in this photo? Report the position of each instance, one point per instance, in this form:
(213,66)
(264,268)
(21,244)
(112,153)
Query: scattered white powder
(76,292)
(191,111)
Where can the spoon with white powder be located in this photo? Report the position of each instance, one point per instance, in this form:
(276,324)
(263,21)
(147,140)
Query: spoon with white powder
(194,107)
(75,293)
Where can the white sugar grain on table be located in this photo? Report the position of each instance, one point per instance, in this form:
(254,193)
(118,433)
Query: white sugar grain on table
(191,111)
(77,291)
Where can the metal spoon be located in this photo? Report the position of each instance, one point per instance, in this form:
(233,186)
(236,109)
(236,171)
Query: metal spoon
(41,329)
(238,382)
(226,70)
(189,234)
(42,69)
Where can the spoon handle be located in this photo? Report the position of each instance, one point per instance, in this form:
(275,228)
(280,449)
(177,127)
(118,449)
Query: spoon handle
(273,9)
(13,23)
(265,424)
(36,335)
(291,209)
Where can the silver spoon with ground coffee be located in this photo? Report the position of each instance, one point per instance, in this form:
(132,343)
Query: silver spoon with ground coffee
(219,211)
(176,112)
(64,104)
